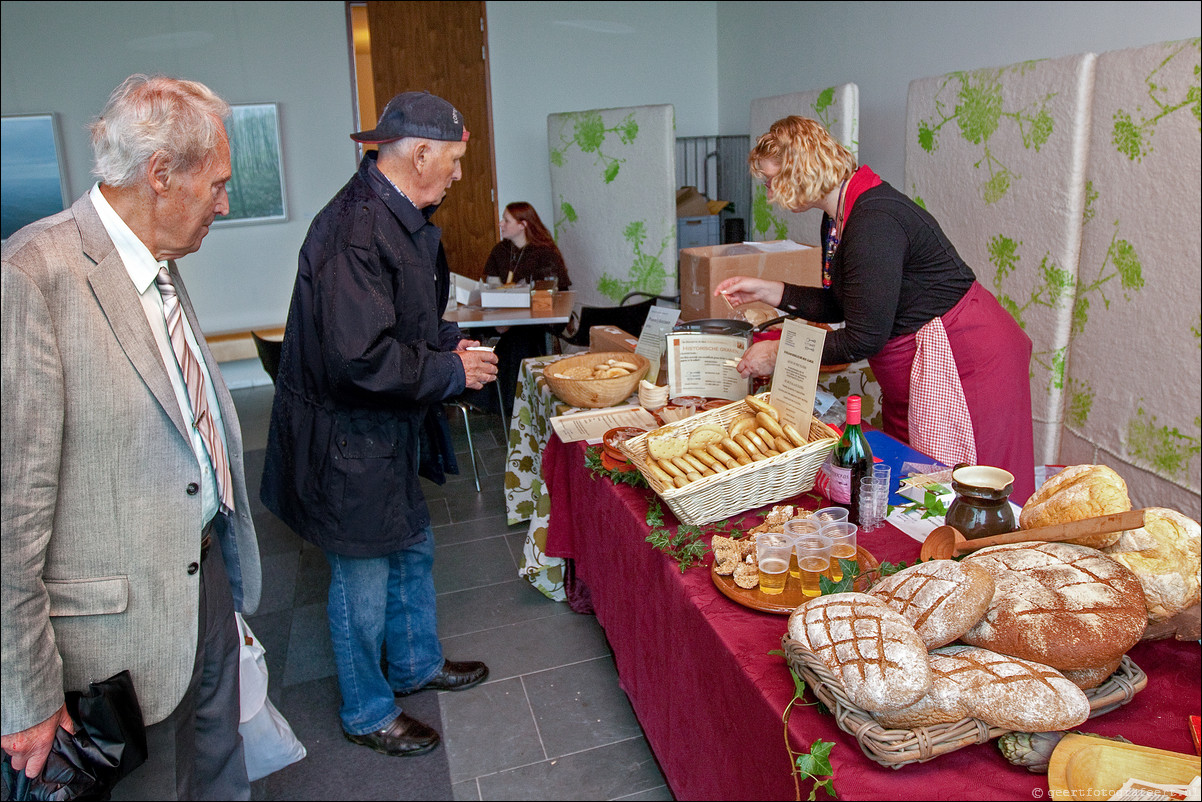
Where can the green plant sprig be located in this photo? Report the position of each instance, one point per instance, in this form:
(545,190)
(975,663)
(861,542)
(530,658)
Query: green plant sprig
(592,462)
(815,764)
(688,544)
(851,572)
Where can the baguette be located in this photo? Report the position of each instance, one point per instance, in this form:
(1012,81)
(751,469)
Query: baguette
(757,404)
(720,454)
(794,435)
(770,424)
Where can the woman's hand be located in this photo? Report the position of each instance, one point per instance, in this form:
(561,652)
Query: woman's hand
(741,290)
(759,359)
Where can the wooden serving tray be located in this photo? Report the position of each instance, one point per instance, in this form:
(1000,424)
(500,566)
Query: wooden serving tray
(791,597)
(1082,767)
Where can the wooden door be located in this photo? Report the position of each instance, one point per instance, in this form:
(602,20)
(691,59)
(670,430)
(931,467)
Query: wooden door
(442,47)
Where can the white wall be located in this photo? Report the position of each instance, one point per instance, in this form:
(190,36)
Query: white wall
(67,57)
(767,49)
(552,57)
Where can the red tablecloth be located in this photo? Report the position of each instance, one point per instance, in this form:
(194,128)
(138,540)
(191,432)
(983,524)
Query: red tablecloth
(697,669)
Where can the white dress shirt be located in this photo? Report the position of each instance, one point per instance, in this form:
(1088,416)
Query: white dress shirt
(143,268)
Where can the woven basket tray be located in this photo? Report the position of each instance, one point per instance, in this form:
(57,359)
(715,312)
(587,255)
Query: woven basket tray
(897,748)
(746,487)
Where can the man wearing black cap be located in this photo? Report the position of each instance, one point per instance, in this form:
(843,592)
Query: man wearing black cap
(366,358)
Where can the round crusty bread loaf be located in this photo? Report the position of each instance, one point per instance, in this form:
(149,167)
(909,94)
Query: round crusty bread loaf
(875,653)
(942,599)
(1166,555)
(1077,492)
(1086,678)
(1000,690)
(1059,604)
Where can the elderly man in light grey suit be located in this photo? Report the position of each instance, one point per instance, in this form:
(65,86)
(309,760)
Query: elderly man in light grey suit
(127,536)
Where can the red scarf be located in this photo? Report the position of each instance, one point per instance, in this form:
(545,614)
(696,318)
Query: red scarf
(862,180)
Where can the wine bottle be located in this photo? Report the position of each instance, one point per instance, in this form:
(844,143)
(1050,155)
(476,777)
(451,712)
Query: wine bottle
(850,461)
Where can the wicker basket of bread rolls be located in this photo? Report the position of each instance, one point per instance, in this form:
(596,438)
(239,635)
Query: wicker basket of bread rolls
(733,489)
(598,380)
(895,748)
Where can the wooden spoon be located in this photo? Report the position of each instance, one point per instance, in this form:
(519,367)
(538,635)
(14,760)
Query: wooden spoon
(945,542)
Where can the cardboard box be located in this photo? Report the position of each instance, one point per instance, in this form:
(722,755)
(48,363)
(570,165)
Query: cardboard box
(610,338)
(691,203)
(702,269)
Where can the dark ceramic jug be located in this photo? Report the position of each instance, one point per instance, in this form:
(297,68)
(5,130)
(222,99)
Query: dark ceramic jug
(982,504)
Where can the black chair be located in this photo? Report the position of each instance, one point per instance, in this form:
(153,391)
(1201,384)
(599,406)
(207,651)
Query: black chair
(269,354)
(629,317)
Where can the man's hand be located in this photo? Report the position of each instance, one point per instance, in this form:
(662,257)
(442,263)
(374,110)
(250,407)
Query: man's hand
(759,359)
(30,748)
(479,367)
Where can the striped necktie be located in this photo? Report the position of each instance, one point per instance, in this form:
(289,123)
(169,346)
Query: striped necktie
(194,378)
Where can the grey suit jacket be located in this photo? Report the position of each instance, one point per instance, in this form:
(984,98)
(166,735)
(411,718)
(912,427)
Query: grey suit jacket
(100,518)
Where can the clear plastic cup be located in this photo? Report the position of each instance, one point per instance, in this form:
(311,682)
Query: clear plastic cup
(813,558)
(842,537)
(829,515)
(868,506)
(883,480)
(773,551)
(795,529)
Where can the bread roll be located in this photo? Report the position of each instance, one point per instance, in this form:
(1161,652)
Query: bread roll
(942,599)
(1077,492)
(1002,691)
(1165,555)
(876,654)
(1059,604)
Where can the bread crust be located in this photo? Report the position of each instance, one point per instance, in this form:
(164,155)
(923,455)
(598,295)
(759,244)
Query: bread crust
(875,653)
(1058,604)
(1076,493)
(1002,691)
(942,599)
(1166,555)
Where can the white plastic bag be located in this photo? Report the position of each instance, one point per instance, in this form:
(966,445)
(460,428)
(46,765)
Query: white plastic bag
(267,739)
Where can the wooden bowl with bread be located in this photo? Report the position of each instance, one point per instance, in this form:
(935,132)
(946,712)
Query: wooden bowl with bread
(595,381)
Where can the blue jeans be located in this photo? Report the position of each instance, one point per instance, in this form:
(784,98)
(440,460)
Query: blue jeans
(376,601)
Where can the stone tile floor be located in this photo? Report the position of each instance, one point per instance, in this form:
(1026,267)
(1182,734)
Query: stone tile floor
(550,722)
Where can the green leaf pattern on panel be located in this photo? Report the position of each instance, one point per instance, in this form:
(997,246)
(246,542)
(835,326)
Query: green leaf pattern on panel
(978,111)
(1164,448)
(647,272)
(588,133)
(1132,137)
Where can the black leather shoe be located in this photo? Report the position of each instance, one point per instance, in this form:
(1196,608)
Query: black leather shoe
(453,677)
(404,737)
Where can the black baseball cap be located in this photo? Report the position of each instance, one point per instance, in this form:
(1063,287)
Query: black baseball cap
(418,114)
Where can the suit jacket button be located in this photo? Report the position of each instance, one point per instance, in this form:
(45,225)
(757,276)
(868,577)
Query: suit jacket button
(193,568)
(193,488)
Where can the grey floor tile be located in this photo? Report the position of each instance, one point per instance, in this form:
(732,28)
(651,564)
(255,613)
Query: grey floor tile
(490,526)
(530,646)
(312,577)
(337,769)
(482,609)
(310,654)
(466,791)
(279,581)
(659,794)
(254,415)
(609,772)
(461,566)
(488,729)
(274,535)
(580,706)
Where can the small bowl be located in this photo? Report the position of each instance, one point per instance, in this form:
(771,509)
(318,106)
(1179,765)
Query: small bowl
(715,403)
(620,434)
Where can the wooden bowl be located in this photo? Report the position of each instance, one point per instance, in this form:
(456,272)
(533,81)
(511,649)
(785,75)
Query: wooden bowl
(592,393)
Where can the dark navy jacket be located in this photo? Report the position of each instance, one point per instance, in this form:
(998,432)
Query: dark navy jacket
(366,354)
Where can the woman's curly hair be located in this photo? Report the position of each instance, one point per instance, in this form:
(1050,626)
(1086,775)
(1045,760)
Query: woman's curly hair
(812,163)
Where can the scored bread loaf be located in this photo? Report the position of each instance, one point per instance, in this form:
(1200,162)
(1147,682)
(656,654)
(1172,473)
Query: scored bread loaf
(876,654)
(1059,604)
(1166,555)
(1078,492)
(942,599)
(1002,691)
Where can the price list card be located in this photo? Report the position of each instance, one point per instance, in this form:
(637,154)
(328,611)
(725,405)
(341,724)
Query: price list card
(795,380)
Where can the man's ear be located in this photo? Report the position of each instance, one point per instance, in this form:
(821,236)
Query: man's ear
(421,155)
(158,172)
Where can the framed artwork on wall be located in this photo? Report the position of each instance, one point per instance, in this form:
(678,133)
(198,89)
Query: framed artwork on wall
(256,188)
(32,171)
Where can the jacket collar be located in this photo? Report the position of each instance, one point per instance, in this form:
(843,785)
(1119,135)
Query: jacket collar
(399,204)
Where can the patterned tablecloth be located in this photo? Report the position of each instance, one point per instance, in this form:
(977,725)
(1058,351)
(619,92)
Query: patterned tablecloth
(525,495)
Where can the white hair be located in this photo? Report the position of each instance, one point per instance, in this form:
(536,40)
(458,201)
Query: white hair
(145,115)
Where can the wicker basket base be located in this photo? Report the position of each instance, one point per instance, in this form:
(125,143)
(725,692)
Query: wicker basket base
(897,748)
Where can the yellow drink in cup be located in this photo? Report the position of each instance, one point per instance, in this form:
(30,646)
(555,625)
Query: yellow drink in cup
(795,529)
(840,551)
(773,573)
(811,569)
(843,546)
